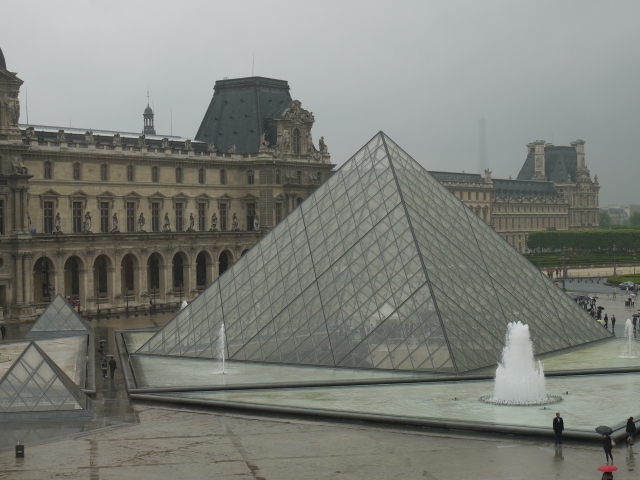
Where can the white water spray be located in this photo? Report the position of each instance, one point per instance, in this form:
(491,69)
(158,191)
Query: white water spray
(221,345)
(519,380)
(628,351)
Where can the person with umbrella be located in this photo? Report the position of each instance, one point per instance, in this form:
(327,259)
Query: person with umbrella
(608,442)
(607,471)
(631,429)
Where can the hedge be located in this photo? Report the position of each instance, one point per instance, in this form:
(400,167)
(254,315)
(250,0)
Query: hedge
(591,240)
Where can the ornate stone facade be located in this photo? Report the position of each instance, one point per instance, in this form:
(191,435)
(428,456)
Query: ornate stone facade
(116,218)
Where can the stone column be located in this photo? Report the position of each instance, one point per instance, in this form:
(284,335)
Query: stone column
(165,284)
(27,279)
(24,209)
(15,208)
(113,285)
(189,277)
(19,292)
(142,284)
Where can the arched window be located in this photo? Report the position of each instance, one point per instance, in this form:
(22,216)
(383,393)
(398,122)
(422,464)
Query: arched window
(250,177)
(277,176)
(296,141)
(48,174)
(201,176)
(155,174)
(201,270)
(299,177)
(76,171)
(104,172)
(178,272)
(178,175)
(223,177)
(129,173)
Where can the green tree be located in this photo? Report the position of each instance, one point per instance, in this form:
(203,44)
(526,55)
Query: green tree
(634,219)
(605,220)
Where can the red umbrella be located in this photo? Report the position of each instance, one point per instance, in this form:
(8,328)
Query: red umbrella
(608,468)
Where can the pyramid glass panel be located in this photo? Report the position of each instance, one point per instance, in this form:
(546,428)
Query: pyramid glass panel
(34,383)
(381,267)
(58,319)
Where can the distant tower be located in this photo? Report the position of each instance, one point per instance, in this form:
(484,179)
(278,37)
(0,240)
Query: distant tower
(483,162)
(149,129)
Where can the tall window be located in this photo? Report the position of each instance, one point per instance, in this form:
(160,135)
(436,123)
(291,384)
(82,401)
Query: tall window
(201,176)
(251,213)
(155,174)
(223,217)
(48,217)
(223,177)
(104,172)
(131,217)
(47,171)
(1,217)
(299,177)
(129,173)
(179,217)
(477,195)
(278,213)
(104,217)
(468,195)
(155,217)
(178,175)
(76,217)
(76,171)
(296,141)
(250,177)
(202,223)
(277,176)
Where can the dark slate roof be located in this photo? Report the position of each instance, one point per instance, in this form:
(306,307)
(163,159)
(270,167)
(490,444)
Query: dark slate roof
(457,177)
(105,137)
(3,64)
(524,189)
(559,161)
(238,112)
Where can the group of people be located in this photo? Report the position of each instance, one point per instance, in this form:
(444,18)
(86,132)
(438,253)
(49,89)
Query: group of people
(608,442)
(107,364)
(75,302)
(613,322)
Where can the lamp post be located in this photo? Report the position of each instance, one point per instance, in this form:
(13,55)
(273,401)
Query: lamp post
(538,249)
(635,287)
(614,260)
(564,267)
(98,302)
(126,294)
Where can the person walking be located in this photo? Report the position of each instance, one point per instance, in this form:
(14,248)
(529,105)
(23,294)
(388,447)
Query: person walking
(606,322)
(104,368)
(608,445)
(558,427)
(631,429)
(3,330)
(635,323)
(112,366)
(613,322)
(614,292)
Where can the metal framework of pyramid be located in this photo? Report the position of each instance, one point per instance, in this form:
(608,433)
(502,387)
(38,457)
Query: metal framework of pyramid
(381,267)
(36,387)
(58,319)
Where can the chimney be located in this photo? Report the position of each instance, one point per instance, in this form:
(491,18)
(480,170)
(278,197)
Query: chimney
(579,146)
(537,148)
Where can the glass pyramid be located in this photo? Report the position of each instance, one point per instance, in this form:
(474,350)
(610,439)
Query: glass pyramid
(381,267)
(35,384)
(58,319)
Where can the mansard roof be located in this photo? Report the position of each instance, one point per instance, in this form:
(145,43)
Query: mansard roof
(560,162)
(457,177)
(3,64)
(238,112)
(524,188)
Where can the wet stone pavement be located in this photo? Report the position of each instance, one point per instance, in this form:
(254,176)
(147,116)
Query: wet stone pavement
(139,441)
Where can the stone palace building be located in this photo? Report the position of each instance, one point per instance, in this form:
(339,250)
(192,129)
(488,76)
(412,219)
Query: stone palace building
(553,191)
(125,220)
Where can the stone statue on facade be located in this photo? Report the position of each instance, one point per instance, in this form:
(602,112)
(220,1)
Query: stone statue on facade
(192,222)
(57,224)
(256,222)
(311,147)
(165,143)
(114,224)
(29,222)
(322,145)
(87,223)
(234,223)
(314,178)
(188,146)
(11,106)
(214,223)
(141,222)
(61,137)
(166,227)
(142,141)
(117,141)
(31,134)
(88,138)
(211,147)
(286,140)
(232,148)
(18,167)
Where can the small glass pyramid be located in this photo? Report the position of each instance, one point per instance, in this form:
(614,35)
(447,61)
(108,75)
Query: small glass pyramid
(35,384)
(381,267)
(58,319)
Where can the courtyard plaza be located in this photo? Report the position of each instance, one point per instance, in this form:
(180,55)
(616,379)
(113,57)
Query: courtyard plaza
(137,439)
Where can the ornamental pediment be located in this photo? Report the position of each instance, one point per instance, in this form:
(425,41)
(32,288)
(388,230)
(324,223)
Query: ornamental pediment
(298,115)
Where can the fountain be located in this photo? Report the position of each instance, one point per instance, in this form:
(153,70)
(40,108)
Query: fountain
(519,381)
(221,345)
(183,305)
(628,349)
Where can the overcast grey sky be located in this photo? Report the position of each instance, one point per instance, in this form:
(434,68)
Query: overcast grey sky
(421,71)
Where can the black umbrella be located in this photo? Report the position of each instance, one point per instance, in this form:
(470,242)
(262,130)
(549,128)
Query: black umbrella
(636,315)
(600,308)
(602,430)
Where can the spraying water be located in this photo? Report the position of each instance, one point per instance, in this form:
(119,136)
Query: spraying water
(519,380)
(222,345)
(628,351)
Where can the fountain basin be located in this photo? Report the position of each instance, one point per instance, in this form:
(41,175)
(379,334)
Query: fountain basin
(550,399)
